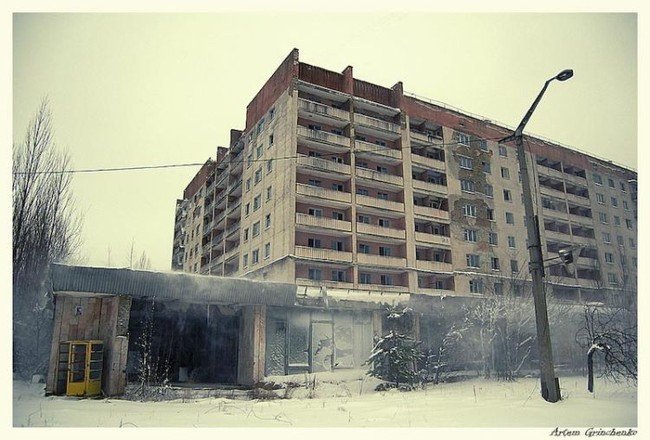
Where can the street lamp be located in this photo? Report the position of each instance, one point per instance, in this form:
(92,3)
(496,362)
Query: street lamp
(550,385)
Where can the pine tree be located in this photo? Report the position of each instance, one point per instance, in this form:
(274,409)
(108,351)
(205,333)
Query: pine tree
(395,355)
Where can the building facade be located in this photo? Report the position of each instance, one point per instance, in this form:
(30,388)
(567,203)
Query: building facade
(341,183)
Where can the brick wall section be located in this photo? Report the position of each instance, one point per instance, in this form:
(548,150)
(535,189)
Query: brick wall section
(323,77)
(272,89)
(375,93)
(198,180)
(235,135)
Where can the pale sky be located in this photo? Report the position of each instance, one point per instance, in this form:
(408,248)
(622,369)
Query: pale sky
(150,89)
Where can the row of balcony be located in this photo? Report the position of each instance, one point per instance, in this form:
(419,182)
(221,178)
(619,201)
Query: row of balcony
(551,172)
(579,200)
(330,255)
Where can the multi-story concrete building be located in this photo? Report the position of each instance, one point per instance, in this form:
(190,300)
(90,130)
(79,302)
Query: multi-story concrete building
(341,183)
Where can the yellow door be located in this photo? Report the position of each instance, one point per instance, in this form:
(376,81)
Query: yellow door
(77,369)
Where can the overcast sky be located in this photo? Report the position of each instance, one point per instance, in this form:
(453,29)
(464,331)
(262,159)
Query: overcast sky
(149,89)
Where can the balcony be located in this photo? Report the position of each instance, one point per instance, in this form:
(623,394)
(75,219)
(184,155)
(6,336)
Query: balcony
(391,179)
(550,172)
(320,136)
(324,111)
(380,260)
(208,227)
(425,138)
(231,229)
(426,211)
(323,164)
(373,202)
(323,254)
(383,288)
(376,124)
(435,292)
(364,228)
(579,239)
(322,193)
(217,240)
(234,188)
(578,200)
(234,206)
(428,163)
(429,187)
(551,192)
(328,283)
(550,213)
(379,150)
(230,254)
(556,236)
(434,266)
(581,219)
(424,237)
(322,222)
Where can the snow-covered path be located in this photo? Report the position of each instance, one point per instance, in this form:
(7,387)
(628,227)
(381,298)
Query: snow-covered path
(473,403)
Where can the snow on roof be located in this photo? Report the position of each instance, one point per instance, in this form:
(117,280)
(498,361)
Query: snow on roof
(169,285)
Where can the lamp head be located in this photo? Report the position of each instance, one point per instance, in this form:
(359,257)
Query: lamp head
(564,75)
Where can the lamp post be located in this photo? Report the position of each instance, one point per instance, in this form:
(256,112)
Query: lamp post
(550,385)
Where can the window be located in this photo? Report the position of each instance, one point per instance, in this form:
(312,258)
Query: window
(384,222)
(602,217)
(246,234)
(314,243)
(612,279)
(503,152)
(315,274)
(314,182)
(498,288)
(614,202)
(494,264)
(507,196)
(465,162)
(363,219)
(473,260)
(623,187)
(505,173)
(337,187)
(269,193)
(364,248)
(620,240)
(628,223)
(510,219)
(260,126)
(462,138)
(316,212)
(511,242)
(249,161)
(381,169)
(514,266)
(611,184)
(382,195)
(625,205)
(315,127)
(632,245)
(338,215)
(607,238)
(362,191)
(475,286)
(600,198)
(271,139)
(617,221)
(469,210)
(269,166)
(493,238)
(337,246)
(490,214)
(338,275)
(361,164)
(597,179)
(256,229)
(267,221)
(247,209)
(609,258)
(488,190)
(386,280)
(486,167)
(467,185)
(248,184)
(482,144)
(259,151)
(470,235)
(256,256)
(271,113)
(267,250)
(257,202)
(258,176)
(365,278)
(244,261)
(384,251)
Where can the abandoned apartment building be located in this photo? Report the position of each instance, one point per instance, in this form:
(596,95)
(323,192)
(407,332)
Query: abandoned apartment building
(338,197)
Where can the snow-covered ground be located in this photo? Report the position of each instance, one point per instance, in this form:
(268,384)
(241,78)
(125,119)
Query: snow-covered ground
(348,400)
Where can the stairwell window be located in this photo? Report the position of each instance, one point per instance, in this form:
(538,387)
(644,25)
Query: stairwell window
(467,186)
(470,235)
(473,260)
(469,210)
(465,162)
(475,286)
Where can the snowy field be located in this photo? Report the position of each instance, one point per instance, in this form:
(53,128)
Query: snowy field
(348,400)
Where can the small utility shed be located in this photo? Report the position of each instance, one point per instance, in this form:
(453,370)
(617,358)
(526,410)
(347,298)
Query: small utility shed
(199,328)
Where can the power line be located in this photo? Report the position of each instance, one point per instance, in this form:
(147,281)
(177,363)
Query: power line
(152,167)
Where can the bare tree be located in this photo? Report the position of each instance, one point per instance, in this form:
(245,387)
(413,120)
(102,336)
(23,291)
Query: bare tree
(46,228)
